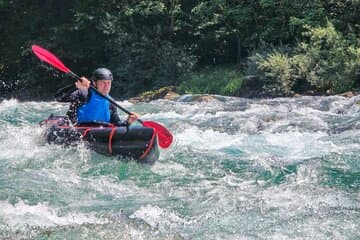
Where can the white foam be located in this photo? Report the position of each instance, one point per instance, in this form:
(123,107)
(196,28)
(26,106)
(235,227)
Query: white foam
(158,217)
(22,215)
(207,139)
(20,142)
(8,103)
(168,169)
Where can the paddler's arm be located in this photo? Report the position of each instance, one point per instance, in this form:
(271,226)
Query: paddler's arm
(115,119)
(70,94)
(78,98)
(63,94)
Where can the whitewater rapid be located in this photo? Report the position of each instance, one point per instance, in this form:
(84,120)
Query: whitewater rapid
(284,168)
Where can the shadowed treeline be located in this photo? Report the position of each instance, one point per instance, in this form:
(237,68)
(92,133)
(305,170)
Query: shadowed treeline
(198,46)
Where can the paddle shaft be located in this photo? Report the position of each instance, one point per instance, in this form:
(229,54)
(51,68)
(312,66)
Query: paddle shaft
(77,77)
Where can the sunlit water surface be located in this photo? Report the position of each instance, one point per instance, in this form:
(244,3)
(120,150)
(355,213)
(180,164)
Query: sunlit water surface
(238,169)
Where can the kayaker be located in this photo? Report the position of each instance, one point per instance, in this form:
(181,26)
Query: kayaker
(88,106)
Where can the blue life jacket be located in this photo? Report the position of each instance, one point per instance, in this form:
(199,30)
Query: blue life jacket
(96,109)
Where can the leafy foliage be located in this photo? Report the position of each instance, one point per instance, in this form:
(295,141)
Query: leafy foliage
(277,68)
(154,43)
(220,80)
(326,60)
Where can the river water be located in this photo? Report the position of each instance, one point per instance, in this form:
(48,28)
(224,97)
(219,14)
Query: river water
(285,168)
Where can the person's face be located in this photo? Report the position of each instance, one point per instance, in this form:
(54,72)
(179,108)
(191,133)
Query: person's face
(103,86)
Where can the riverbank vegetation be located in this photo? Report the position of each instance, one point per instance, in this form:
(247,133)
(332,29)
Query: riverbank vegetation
(238,48)
(222,80)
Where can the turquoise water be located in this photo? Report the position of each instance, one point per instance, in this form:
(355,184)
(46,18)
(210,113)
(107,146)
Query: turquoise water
(238,169)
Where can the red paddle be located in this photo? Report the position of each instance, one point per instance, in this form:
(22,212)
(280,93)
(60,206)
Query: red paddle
(164,135)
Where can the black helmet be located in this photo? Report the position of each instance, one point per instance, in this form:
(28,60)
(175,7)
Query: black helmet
(102,74)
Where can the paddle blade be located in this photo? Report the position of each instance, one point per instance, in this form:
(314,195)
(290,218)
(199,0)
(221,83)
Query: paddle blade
(164,136)
(50,58)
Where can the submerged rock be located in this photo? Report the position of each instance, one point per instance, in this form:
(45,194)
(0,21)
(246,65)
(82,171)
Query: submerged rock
(347,94)
(162,93)
(171,95)
(202,98)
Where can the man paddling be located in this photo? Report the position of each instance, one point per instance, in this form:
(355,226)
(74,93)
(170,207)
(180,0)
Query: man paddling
(88,106)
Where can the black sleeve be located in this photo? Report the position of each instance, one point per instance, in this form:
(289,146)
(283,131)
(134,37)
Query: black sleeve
(114,117)
(64,94)
(77,99)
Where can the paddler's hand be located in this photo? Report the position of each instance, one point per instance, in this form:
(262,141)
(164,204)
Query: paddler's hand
(132,118)
(83,83)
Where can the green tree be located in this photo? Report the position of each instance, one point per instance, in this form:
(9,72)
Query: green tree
(325,59)
(149,44)
(328,60)
(137,43)
(222,28)
(22,24)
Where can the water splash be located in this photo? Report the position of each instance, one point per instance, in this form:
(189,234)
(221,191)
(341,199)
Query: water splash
(238,169)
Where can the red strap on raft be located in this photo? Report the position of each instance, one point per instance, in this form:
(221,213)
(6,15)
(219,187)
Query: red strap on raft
(113,131)
(86,131)
(150,145)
